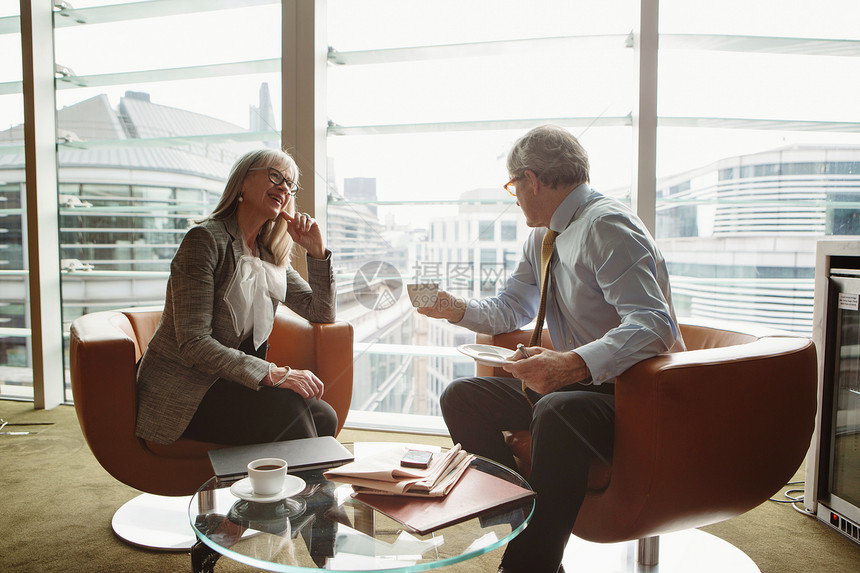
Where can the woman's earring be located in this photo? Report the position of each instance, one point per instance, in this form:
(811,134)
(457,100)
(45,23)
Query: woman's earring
(241,198)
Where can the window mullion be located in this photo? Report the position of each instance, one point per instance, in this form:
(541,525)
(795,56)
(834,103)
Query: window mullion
(42,216)
(304,58)
(644,179)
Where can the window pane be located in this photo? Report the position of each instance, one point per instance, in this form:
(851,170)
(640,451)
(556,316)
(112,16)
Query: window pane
(399,233)
(152,112)
(509,231)
(356,25)
(427,102)
(16,366)
(758,149)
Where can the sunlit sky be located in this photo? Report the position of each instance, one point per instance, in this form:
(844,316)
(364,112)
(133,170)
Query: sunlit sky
(574,81)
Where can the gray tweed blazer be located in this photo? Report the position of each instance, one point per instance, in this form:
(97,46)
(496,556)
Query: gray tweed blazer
(195,342)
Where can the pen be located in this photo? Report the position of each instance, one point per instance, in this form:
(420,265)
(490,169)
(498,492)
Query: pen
(522,348)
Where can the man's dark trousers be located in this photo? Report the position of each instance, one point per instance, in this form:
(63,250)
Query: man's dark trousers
(569,428)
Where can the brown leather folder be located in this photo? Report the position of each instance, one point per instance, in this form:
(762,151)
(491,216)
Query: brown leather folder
(476,493)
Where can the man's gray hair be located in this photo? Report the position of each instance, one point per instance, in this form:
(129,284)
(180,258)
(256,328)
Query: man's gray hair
(553,153)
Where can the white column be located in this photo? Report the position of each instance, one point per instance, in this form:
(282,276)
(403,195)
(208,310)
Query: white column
(43,245)
(304,60)
(644,184)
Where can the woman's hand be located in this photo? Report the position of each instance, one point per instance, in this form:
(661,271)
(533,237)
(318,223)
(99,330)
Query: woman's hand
(546,371)
(303,382)
(306,233)
(447,306)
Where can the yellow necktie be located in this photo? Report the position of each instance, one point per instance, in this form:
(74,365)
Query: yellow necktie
(546,250)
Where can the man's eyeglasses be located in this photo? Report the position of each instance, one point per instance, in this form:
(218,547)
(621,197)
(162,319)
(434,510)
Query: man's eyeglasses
(276,177)
(511,186)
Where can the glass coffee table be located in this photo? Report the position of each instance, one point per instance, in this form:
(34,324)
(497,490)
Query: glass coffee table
(323,527)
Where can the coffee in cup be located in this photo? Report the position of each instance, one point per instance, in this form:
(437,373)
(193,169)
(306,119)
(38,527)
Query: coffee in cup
(267,475)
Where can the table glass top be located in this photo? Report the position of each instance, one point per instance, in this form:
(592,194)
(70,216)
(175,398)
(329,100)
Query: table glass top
(323,527)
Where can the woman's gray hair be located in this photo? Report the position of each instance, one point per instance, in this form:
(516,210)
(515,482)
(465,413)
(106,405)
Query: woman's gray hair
(553,153)
(273,235)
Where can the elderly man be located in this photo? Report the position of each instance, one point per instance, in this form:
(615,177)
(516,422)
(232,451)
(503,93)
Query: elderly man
(593,272)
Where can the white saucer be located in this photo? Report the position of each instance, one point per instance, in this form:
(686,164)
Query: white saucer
(243,490)
(486,354)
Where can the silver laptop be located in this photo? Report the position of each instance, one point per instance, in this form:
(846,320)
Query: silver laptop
(301,455)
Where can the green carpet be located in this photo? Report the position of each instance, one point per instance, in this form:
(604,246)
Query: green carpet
(57,504)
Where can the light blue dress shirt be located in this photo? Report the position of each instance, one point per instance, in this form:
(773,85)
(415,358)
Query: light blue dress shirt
(609,297)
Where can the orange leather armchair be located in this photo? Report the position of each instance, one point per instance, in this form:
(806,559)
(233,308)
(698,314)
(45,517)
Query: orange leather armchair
(104,350)
(700,436)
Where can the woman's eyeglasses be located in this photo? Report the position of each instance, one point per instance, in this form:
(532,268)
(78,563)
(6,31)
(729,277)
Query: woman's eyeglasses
(276,177)
(511,186)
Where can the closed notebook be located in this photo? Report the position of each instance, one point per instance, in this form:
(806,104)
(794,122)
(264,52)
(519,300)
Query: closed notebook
(476,493)
(301,455)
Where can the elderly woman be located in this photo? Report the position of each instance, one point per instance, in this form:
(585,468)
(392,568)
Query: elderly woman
(204,374)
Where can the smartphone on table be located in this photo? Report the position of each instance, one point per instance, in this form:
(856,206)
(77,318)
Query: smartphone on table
(416,459)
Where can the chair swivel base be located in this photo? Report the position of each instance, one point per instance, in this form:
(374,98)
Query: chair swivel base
(684,551)
(155,522)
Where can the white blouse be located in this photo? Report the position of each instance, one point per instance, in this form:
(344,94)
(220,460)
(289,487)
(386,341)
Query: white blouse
(249,296)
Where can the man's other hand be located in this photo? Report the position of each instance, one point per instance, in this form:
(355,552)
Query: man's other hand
(546,371)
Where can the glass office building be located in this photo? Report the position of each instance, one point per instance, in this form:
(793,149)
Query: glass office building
(740,234)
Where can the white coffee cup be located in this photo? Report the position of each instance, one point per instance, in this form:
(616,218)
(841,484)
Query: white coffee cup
(423,294)
(267,475)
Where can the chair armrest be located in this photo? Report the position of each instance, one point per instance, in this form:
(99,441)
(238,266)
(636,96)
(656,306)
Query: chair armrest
(105,399)
(704,435)
(334,343)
